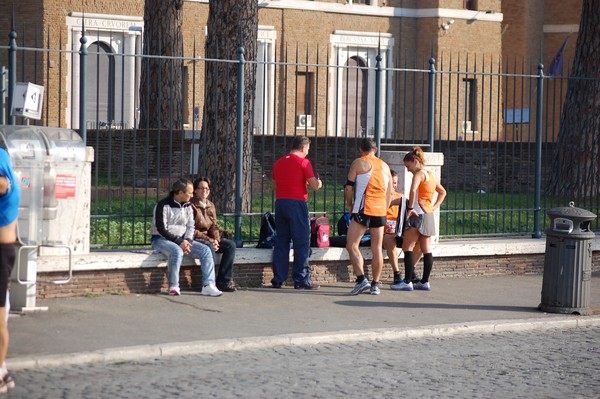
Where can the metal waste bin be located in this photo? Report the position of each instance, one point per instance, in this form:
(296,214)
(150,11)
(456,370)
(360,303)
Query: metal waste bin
(49,163)
(568,261)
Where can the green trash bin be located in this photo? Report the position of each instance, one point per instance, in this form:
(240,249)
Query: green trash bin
(568,261)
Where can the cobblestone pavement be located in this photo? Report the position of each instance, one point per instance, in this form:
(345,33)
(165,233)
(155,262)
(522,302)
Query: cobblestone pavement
(552,363)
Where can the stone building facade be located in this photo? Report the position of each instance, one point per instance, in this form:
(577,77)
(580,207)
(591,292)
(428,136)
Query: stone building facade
(316,64)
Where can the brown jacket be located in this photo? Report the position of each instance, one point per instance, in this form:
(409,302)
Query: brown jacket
(205,220)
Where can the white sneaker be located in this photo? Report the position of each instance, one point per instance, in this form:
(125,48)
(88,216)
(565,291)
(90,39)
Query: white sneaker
(422,286)
(211,290)
(375,289)
(402,286)
(8,381)
(174,291)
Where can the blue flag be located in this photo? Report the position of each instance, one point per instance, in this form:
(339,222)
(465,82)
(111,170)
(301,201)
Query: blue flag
(556,66)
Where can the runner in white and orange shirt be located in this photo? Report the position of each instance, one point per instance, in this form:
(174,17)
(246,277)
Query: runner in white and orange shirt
(368,193)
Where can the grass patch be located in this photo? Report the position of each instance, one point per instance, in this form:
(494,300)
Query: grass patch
(91,294)
(125,223)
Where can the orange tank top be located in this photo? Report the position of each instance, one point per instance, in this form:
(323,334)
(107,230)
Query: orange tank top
(375,190)
(426,192)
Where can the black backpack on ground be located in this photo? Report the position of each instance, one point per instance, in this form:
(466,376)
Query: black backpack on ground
(342,229)
(266,236)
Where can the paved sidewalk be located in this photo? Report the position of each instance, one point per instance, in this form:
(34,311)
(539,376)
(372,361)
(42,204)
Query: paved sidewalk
(126,327)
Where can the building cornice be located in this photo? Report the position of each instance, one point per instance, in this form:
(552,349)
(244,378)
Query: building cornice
(366,10)
(113,17)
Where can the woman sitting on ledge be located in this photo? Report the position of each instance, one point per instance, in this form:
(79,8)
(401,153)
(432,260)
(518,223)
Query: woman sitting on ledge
(207,231)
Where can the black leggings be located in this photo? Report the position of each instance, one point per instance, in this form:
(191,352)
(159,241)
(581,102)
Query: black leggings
(7,261)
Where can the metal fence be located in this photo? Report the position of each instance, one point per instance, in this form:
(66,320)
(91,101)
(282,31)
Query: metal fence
(496,122)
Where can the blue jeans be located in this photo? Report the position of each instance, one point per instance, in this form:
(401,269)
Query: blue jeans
(174,255)
(292,225)
(227,251)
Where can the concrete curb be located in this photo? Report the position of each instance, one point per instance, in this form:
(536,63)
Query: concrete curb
(131,353)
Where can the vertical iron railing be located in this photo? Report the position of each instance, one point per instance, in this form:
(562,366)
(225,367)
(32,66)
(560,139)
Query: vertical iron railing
(378,91)
(12,67)
(82,83)
(538,154)
(240,149)
(431,105)
(3,92)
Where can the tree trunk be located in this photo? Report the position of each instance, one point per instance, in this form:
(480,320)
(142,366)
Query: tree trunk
(231,24)
(161,80)
(575,170)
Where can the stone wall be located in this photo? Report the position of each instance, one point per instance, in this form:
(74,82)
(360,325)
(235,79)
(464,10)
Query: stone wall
(151,280)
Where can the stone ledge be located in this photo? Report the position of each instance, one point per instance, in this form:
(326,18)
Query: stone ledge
(147,258)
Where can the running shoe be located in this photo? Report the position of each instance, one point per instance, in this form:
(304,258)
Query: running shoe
(375,289)
(360,287)
(402,286)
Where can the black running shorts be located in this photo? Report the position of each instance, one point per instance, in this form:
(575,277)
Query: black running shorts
(369,221)
(7,261)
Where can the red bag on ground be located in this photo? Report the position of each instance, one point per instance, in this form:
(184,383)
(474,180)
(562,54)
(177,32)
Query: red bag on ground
(319,232)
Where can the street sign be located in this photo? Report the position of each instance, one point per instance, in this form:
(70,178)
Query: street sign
(27,100)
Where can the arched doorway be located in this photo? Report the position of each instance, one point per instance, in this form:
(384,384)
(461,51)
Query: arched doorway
(354,98)
(100,81)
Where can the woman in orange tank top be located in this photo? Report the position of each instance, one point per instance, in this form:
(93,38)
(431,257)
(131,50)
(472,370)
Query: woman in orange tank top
(420,225)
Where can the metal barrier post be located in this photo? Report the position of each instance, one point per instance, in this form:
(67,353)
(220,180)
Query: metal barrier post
(378,101)
(12,67)
(431,104)
(538,154)
(82,85)
(23,295)
(3,73)
(240,149)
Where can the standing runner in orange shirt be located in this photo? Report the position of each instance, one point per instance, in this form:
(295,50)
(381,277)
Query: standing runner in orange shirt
(370,180)
(420,225)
